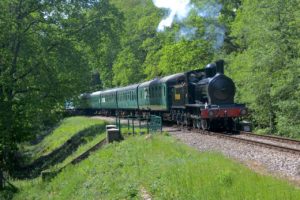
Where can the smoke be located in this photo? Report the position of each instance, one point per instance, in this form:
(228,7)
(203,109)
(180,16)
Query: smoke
(210,11)
(179,10)
(187,33)
(215,33)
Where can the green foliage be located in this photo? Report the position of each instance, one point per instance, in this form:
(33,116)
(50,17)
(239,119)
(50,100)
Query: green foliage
(126,68)
(48,50)
(166,168)
(266,64)
(178,57)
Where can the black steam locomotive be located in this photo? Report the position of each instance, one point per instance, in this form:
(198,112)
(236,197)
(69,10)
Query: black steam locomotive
(202,98)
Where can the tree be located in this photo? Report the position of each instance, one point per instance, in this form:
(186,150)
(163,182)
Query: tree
(44,60)
(267,61)
(126,68)
(140,22)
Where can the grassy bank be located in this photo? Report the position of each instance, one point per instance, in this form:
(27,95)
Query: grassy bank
(67,129)
(166,169)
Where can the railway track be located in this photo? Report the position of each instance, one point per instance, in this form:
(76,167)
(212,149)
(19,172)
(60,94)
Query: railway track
(273,138)
(267,142)
(270,142)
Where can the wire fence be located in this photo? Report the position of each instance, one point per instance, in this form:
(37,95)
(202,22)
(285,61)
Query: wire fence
(140,124)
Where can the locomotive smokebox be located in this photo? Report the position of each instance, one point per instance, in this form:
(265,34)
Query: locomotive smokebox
(220,66)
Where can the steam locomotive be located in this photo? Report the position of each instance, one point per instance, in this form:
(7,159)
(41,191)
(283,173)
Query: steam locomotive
(202,98)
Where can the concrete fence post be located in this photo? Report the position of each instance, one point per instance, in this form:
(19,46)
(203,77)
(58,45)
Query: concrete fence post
(113,135)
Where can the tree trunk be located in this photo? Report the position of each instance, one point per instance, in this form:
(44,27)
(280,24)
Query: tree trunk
(1,180)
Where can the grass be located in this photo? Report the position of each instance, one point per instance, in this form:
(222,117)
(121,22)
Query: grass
(68,128)
(166,168)
(90,142)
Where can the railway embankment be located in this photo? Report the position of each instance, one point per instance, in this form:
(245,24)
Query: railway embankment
(153,167)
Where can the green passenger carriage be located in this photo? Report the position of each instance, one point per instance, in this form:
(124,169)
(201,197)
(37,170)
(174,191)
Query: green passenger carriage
(109,99)
(127,97)
(143,96)
(95,100)
(84,101)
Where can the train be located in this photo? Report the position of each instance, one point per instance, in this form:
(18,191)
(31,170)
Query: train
(201,98)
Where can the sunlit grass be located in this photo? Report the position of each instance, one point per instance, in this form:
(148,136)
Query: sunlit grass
(81,149)
(166,168)
(68,128)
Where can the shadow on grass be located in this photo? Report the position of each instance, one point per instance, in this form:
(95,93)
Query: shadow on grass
(34,169)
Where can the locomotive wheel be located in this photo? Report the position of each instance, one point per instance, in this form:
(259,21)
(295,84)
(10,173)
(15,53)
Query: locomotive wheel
(204,124)
(196,123)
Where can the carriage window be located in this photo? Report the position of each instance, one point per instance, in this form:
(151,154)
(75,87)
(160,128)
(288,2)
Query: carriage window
(146,95)
(153,91)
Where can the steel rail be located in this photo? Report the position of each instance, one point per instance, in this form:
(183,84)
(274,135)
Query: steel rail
(271,137)
(249,141)
(257,143)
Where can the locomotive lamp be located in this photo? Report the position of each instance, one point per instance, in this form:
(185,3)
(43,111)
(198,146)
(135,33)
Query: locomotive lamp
(211,113)
(244,111)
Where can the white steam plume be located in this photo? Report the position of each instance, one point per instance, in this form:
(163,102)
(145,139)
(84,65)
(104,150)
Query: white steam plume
(179,9)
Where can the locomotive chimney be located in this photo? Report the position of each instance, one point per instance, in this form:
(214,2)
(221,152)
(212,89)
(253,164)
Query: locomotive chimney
(210,70)
(220,66)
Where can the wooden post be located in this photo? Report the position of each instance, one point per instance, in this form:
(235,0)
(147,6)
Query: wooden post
(147,125)
(127,123)
(132,126)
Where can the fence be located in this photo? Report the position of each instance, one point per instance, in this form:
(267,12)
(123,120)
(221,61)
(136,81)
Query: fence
(150,124)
